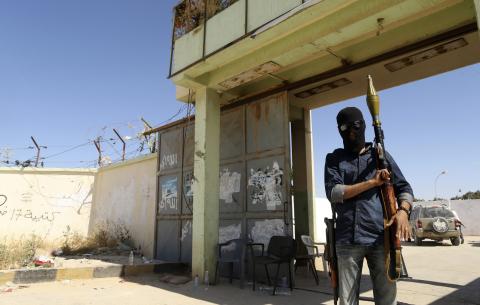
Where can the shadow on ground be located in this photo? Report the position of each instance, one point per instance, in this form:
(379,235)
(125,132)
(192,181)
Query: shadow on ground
(429,243)
(465,294)
(474,243)
(305,292)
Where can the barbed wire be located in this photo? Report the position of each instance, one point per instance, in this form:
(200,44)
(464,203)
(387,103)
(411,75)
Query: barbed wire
(134,138)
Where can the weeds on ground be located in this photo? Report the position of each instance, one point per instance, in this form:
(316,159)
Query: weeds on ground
(106,235)
(17,253)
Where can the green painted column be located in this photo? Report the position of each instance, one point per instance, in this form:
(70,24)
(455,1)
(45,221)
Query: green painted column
(206,182)
(310,172)
(477,9)
(300,192)
(303,175)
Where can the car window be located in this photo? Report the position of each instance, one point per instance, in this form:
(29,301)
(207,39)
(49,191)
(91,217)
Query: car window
(432,212)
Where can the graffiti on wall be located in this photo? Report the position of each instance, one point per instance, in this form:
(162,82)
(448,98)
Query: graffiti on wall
(263,230)
(229,184)
(188,186)
(16,214)
(81,195)
(266,186)
(169,194)
(168,161)
(187,195)
(226,233)
(26,197)
(186,229)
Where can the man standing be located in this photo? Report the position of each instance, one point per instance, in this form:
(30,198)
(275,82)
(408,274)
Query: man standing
(352,186)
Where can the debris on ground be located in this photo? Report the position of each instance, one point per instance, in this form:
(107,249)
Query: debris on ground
(10,287)
(174,279)
(57,252)
(43,261)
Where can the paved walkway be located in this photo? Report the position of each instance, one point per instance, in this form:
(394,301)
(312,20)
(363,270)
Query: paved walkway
(441,274)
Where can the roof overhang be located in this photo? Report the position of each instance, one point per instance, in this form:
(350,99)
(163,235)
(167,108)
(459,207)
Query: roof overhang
(335,44)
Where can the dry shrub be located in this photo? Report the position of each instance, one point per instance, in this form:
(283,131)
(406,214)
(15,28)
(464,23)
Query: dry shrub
(74,243)
(106,235)
(17,253)
(191,13)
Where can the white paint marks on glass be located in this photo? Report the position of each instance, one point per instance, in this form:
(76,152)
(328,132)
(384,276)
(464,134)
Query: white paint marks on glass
(168,161)
(263,230)
(229,232)
(229,184)
(267,186)
(186,229)
(169,194)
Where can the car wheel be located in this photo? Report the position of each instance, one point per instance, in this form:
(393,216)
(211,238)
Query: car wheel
(455,241)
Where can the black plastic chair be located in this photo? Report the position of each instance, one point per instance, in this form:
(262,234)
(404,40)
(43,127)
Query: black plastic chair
(281,249)
(232,252)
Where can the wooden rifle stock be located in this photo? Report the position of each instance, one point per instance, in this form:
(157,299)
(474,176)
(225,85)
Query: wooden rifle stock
(392,244)
(330,256)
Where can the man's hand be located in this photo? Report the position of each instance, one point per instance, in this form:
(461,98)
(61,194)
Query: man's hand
(403,227)
(381,176)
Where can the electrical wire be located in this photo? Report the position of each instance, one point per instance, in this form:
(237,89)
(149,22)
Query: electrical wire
(134,141)
(16,148)
(189,108)
(68,150)
(180,110)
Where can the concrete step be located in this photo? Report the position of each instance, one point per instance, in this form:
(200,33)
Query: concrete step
(26,276)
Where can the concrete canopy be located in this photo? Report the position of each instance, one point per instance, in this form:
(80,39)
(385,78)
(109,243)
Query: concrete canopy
(324,41)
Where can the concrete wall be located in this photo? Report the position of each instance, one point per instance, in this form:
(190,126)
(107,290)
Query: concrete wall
(44,202)
(468,211)
(322,210)
(125,195)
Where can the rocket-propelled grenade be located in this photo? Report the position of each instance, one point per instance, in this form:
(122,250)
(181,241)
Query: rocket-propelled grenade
(392,242)
(373,102)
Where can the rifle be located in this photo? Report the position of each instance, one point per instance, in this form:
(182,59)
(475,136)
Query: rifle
(393,248)
(330,255)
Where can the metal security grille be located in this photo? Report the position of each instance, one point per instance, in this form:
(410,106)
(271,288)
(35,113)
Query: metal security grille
(254,178)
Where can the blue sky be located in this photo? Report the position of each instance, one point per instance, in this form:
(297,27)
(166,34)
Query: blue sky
(72,70)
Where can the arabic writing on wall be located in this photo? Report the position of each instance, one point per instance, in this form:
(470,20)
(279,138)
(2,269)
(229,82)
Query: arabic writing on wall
(16,214)
(169,194)
(168,161)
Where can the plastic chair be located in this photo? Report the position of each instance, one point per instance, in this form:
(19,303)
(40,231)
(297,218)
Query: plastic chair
(232,252)
(312,254)
(281,249)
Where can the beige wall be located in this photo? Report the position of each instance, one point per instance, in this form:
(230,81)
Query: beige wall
(44,202)
(125,195)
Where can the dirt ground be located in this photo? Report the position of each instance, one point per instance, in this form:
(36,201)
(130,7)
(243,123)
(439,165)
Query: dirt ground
(440,274)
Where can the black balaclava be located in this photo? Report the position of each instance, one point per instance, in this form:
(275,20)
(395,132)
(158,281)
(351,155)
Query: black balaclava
(354,136)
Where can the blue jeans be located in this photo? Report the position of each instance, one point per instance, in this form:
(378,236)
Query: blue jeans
(350,262)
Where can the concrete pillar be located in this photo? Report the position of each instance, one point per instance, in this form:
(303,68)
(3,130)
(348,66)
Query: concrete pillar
(477,12)
(300,193)
(206,182)
(310,167)
(303,177)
